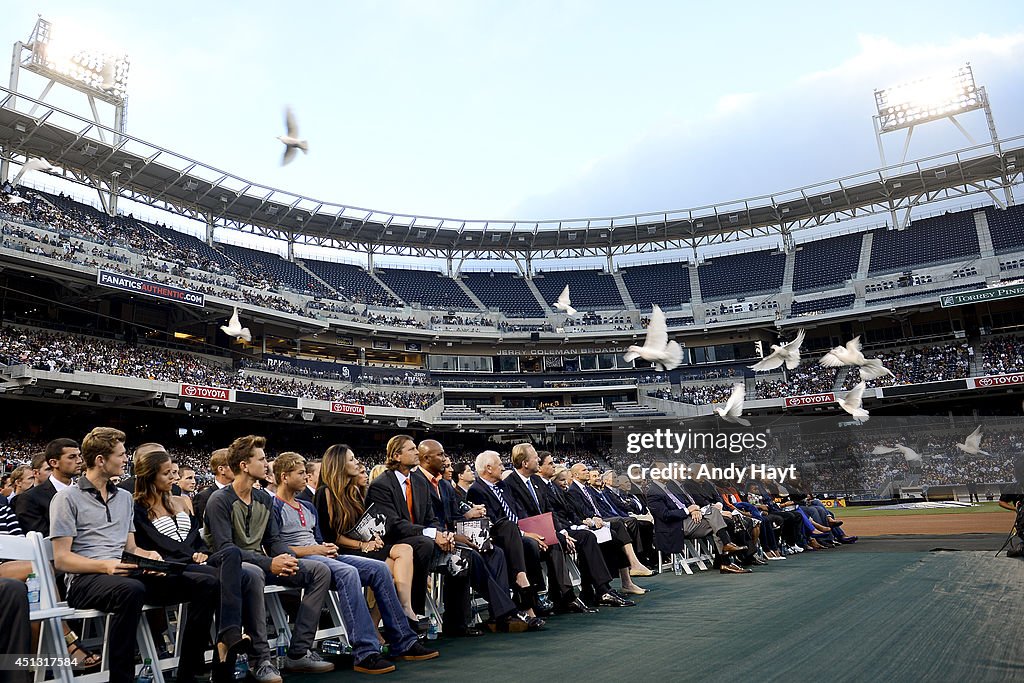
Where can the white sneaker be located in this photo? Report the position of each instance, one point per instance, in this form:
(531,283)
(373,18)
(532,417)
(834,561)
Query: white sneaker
(266,672)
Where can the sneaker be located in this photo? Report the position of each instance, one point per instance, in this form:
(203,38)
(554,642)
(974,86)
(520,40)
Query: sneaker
(266,672)
(416,653)
(373,664)
(310,662)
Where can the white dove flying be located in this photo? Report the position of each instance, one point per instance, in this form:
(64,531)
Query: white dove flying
(870,368)
(15,199)
(657,349)
(788,353)
(908,453)
(563,303)
(291,138)
(972,444)
(33,164)
(853,402)
(234,328)
(733,408)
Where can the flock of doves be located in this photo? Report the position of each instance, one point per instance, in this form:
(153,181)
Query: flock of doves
(667,355)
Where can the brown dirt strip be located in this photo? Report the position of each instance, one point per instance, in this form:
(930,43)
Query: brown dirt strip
(938,524)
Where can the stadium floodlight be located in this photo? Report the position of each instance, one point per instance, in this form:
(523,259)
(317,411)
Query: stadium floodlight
(928,99)
(59,56)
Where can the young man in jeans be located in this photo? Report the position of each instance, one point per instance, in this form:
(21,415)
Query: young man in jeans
(92,524)
(242,516)
(299,535)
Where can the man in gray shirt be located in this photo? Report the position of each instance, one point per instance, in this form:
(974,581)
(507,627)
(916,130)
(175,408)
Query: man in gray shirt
(92,524)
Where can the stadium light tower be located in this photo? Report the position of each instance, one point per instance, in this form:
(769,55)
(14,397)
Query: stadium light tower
(941,96)
(63,58)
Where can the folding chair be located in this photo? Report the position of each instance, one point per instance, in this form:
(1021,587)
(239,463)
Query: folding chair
(143,635)
(49,615)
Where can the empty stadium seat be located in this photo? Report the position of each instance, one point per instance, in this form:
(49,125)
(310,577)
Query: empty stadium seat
(588,289)
(831,261)
(939,239)
(428,288)
(274,268)
(352,282)
(665,284)
(1006,227)
(505,291)
(755,272)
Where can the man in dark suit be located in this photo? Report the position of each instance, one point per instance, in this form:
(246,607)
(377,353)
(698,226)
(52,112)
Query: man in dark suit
(529,490)
(33,507)
(222,478)
(409,512)
(524,551)
(592,509)
(487,571)
(677,516)
(706,495)
(312,481)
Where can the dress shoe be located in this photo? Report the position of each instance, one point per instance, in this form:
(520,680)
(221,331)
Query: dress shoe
(835,522)
(517,622)
(543,606)
(535,624)
(641,572)
(759,562)
(577,606)
(733,548)
(733,569)
(465,632)
(814,544)
(611,599)
(848,539)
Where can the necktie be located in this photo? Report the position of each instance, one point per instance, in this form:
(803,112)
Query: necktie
(592,504)
(529,487)
(408,498)
(504,506)
(435,482)
(679,503)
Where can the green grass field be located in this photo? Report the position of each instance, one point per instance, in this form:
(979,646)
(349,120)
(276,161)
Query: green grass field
(866,511)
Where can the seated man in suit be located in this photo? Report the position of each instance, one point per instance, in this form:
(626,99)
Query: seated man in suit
(524,551)
(487,571)
(595,512)
(33,507)
(704,493)
(532,494)
(409,513)
(222,477)
(677,516)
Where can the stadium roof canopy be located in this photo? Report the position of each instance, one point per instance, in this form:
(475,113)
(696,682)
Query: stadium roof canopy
(97,156)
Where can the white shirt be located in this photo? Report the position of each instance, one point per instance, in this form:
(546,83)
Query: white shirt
(58,484)
(428,531)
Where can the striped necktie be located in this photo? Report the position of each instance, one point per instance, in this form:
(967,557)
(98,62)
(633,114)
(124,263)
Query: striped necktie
(504,506)
(589,498)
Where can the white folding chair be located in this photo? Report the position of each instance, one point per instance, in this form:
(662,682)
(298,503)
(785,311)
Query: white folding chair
(143,635)
(48,614)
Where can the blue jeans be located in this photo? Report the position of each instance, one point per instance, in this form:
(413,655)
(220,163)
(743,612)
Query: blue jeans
(351,573)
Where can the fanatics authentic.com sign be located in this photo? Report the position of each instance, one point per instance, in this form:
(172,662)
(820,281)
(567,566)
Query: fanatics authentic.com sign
(211,393)
(136,285)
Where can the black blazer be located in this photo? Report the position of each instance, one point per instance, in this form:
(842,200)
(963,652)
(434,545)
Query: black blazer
(668,520)
(561,508)
(305,494)
(703,492)
(387,495)
(580,503)
(33,508)
(445,502)
(513,486)
(201,499)
(480,494)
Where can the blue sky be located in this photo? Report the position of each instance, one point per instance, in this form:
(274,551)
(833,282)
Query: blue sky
(546,109)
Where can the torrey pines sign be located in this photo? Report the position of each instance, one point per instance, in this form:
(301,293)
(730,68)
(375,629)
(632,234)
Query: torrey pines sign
(978,296)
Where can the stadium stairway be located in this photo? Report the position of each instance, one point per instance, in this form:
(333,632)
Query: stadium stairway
(696,300)
(302,266)
(787,274)
(472,297)
(385,287)
(841,374)
(623,290)
(546,305)
(984,235)
(864,265)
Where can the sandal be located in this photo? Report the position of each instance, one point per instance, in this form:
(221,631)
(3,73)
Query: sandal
(88,660)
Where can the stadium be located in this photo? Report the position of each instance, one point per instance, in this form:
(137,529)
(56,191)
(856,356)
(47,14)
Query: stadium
(184,307)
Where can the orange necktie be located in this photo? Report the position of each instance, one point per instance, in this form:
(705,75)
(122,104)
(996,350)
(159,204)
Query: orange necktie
(408,498)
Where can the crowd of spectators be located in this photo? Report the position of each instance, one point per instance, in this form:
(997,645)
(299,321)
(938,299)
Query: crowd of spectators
(57,352)
(1002,356)
(914,366)
(696,394)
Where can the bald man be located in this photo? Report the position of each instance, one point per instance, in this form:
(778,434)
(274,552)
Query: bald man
(487,571)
